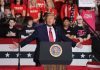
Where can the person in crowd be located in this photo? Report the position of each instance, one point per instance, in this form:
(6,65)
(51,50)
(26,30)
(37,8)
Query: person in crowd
(12,1)
(1,12)
(7,15)
(70,10)
(97,11)
(28,29)
(25,2)
(2,4)
(67,28)
(89,15)
(7,2)
(41,5)
(18,7)
(50,7)
(19,19)
(81,30)
(1,15)
(33,11)
(44,33)
(99,8)
(11,31)
(58,4)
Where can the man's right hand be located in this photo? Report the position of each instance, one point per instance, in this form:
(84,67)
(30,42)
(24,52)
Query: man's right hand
(79,45)
(15,45)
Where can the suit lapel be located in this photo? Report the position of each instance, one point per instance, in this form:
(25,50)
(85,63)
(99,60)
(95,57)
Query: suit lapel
(46,32)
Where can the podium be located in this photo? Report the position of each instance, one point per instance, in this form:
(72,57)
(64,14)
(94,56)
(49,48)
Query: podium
(55,56)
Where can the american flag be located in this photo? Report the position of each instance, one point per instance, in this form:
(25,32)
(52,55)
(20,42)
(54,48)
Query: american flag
(10,57)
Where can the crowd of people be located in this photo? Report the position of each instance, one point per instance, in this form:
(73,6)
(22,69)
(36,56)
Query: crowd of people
(38,19)
(20,17)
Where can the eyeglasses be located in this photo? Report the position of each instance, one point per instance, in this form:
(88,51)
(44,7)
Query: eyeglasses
(79,19)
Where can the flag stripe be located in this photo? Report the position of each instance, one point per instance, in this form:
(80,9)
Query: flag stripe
(14,61)
(93,66)
(15,54)
(80,62)
(30,54)
(85,48)
(29,47)
(10,57)
(29,61)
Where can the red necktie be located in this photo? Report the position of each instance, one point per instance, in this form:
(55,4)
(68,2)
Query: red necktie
(50,36)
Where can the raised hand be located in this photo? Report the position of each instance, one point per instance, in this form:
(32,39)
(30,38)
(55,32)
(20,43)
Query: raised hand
(14,45)
(79,45)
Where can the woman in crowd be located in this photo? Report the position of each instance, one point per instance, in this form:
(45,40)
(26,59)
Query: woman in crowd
(18,7)
(41,5)
(66,27)
(81,30)
(70,10)
(33,11)
(50,7)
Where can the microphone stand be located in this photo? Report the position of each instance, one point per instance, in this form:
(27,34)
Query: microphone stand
(19,36)
(19,53)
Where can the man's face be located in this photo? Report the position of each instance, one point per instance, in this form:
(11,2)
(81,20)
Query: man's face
(12,23)
(50,20)
(7,12)
(30,22)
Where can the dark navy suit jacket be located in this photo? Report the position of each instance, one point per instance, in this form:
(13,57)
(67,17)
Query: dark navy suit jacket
(41,35)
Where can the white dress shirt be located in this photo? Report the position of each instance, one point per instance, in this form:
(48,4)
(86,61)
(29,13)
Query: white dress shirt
(53,32)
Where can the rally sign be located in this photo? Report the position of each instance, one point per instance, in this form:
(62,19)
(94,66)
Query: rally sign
(86,3)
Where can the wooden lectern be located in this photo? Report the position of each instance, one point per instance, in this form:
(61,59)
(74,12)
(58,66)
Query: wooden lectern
(55,56)
(55,67)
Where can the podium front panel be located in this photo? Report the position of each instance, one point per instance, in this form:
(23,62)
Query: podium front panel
(55,53)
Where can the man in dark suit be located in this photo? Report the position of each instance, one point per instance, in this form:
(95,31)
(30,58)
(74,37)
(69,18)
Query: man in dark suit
(45,33)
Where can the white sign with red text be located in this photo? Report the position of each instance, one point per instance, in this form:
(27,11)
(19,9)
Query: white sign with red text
(86,3)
